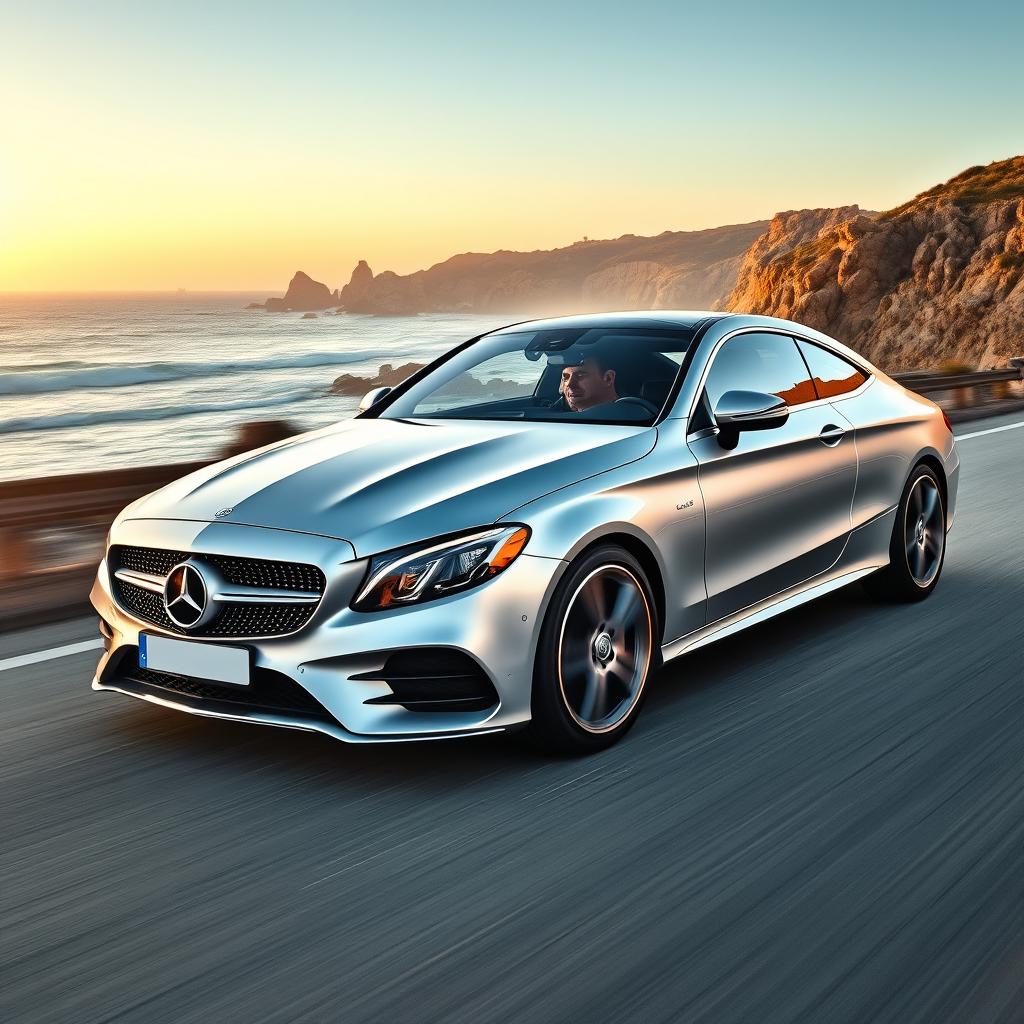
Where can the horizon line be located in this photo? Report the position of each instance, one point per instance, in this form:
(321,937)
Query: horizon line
(137,291)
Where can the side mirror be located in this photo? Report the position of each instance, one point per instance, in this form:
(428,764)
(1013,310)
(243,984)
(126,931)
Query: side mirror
(372,397)
(737,411)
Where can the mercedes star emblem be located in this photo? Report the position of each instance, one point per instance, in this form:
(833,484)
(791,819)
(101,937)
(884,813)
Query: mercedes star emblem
(185,596)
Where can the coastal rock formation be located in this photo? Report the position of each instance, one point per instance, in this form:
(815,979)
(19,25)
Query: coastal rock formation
(387,376)
(359,284)
(303,295)
(939,278)
(648,285)
(694,269)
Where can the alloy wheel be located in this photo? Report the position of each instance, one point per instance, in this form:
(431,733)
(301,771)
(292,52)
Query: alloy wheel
(604,651)
(924,530)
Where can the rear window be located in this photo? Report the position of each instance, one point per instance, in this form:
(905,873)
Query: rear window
(832,375)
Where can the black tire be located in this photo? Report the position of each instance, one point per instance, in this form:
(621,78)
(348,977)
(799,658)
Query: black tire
(595,656)
(917,548)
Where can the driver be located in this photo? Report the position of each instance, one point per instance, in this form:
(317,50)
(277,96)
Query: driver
(590,382)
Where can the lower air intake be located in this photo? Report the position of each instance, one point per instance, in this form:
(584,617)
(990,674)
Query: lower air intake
(433,679)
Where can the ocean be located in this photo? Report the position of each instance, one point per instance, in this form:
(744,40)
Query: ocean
(113,381)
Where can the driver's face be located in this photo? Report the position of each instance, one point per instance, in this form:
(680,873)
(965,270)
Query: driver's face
(585,386)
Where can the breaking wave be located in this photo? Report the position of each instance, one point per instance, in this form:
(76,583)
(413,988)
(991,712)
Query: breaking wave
(134,415)
(57,377)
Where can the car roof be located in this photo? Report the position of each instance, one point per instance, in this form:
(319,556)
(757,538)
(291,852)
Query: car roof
(686,319)
(655,318)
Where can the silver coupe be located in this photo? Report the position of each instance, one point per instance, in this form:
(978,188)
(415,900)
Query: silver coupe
(518,535)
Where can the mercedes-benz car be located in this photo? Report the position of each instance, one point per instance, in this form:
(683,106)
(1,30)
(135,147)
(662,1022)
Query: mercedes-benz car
(520,533)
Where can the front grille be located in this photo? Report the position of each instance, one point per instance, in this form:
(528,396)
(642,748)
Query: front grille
(260,572)
(250,572)
(235,618)
(151,560)
(258,620)
(269,692)
(433,679)
(144,603)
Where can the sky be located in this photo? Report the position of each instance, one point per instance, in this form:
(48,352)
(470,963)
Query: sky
(223,146)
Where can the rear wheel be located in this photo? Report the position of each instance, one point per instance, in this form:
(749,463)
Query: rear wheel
(595,654)
(917,548)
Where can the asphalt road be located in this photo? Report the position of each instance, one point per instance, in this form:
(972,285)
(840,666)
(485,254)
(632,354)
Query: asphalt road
(821,819)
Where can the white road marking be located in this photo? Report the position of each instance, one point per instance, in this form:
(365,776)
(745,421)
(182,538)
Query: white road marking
(54,652)
(991,430)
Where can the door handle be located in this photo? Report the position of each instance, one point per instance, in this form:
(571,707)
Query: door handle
(831,435)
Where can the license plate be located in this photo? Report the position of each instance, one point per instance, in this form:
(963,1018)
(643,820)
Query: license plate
(201,661)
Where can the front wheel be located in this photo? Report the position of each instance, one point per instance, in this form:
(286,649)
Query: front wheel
(917,549)
(595,654)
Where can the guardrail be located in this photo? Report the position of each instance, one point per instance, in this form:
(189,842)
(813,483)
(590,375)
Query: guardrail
(51,536)
(79,497)
(926,383)
(52,528)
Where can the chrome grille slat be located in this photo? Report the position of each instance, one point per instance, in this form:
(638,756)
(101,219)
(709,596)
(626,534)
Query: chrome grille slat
(262,598)
(145,580)
(265,595)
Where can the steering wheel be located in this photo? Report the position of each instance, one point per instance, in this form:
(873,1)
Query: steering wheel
(642,403)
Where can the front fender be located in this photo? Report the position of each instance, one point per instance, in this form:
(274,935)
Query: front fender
(654,502)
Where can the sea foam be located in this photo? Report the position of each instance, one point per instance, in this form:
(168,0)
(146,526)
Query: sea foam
(50,378)
(137,414)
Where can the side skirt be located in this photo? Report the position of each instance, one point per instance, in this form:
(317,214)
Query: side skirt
(860,558)
(751,617)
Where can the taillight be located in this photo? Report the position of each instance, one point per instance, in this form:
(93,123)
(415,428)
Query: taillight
(945,419)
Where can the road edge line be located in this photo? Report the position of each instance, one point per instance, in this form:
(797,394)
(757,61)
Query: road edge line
(36,657)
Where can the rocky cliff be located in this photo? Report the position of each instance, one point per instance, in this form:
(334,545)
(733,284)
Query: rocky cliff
(939,278)
(676,269)
(304,295)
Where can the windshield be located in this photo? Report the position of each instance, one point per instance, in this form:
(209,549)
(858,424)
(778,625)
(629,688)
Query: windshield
(594,374)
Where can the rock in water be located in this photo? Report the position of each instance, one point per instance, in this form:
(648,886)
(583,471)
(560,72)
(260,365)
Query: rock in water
(303,295)
(358,285)
(387,376)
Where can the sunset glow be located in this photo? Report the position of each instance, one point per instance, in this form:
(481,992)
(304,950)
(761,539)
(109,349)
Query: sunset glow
(215,147)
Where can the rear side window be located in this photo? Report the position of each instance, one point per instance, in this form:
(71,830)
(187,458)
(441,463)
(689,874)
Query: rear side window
(832,374)
(769,363)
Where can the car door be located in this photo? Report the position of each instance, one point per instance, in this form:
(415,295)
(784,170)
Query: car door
(778,504)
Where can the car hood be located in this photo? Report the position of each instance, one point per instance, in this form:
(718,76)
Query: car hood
(380,483)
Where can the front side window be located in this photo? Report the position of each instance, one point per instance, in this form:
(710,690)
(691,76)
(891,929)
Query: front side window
(832,374)
(505,375)
(612,375)
(769,363)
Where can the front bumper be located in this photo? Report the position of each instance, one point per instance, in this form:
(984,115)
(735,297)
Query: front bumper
(339,656)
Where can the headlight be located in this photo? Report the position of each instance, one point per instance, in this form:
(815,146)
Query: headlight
(414,575)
